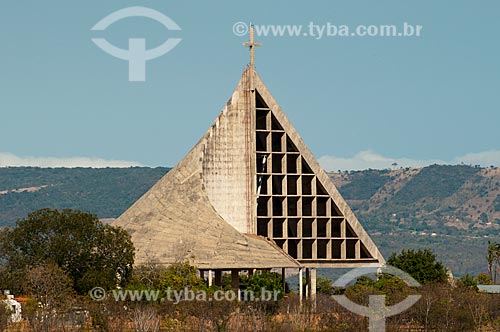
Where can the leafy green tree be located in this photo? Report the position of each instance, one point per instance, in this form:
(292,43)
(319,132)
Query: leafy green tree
(176,276)
(181,275)
(467,281)
(91,253)
(324,286)
(270,281)
(483,279)
(394,288)
(147,276)
(421,265)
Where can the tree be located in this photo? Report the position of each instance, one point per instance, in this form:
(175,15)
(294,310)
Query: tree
(325,286)
(493,259)
(181,275)
(467,281)
(91,253)
(147,276)
(395,289)
(421,265)
(49,285)
(51,292)
(483,279)
(5,313)
(267,280)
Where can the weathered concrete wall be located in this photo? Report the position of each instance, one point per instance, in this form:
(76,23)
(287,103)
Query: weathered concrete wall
(225,169)
(175,221)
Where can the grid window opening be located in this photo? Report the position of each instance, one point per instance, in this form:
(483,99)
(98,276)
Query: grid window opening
(261,141)
(292,206)
(275,125)
(293,248)
(277,206)
(262,225)
(337,249)
(351,249)
(307,203)
(322,227)
(261,120)
(293,227)
(322,249)
(276,145)
(278,228)
(307,249)
(307,227)
(262,206)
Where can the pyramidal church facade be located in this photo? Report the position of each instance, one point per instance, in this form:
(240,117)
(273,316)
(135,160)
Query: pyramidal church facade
(250,195)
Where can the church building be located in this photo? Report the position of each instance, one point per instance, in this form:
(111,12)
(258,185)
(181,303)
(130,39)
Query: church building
(250,195)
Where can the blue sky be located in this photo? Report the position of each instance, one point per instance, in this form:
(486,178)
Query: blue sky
(358,102)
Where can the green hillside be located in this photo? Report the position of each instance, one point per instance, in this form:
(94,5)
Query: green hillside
(105,191)
(451,209)
(454,210)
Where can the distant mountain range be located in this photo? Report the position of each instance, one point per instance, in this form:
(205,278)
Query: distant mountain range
(105,191)
(454,210)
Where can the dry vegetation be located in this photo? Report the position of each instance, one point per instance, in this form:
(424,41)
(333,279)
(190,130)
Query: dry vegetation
(441,308)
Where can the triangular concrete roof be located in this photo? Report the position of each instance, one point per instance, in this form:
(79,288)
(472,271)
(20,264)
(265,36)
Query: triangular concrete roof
(206,207)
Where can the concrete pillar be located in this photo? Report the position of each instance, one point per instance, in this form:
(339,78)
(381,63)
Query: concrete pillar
(313,285)
(308,283)
(283,279)
(301,286)
(218,277)
(210,280)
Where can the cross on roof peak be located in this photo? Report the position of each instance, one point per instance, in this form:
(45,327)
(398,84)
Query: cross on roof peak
(251,45)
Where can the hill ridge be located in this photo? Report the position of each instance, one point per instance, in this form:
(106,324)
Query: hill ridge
(453,210)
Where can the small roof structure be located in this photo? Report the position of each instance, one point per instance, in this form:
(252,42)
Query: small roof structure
(490,289)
